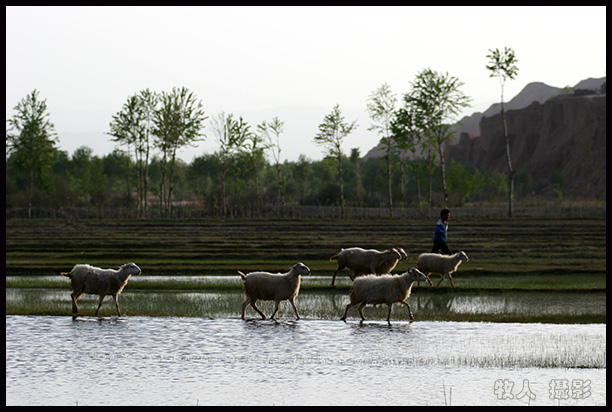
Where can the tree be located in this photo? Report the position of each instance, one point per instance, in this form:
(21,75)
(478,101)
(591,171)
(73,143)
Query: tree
(355,159)
(407,130)
(148,104)
(502,65)
(381,107)
(231,134)
(124,129)
(437,100)
(332,132)
(178,122)
(267,131)
(31,140)
(253,148)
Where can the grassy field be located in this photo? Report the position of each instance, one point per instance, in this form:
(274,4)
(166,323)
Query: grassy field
(513,255)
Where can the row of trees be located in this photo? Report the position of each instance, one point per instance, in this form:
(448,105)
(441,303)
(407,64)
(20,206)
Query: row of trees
(85,180)
(153,126)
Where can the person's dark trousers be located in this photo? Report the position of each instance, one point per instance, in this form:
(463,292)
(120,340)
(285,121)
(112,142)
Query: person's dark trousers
(438,245)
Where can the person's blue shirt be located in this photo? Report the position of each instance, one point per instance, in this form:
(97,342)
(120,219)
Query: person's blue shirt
(440,233)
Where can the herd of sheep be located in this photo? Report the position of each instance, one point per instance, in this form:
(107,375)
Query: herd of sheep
(368,269)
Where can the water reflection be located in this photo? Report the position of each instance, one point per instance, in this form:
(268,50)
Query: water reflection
(51,360)
(318,305)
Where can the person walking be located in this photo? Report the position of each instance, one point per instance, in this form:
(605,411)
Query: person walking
(440,235)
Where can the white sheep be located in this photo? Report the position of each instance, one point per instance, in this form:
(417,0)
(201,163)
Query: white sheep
(271,286)
(93,280)
(386,288)
(367,261)
(443,265)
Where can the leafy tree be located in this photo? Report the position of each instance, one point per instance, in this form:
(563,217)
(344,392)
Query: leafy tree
(148,104)
(271,134)
(231,134)
(126,128)
(502,65)
(408,131)
(178,123)
(437,100)
(355,159)
(30,139)
(331,134)
(381,107)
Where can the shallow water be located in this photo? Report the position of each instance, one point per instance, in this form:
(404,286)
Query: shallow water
(52,360)
(314,304)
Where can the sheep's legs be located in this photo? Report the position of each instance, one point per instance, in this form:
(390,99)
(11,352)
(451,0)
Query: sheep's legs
(294,308)
(442,278)
(389,313)
(99,304)
(334,276)
(426,280)
(117,305)
(275,309)
(360,309)
(346,311)
(409,311)
(246,302)
(75,308)
(244,305)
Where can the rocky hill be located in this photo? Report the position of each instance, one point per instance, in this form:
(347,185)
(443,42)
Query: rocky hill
(533,92)
(556,136)
(562,140)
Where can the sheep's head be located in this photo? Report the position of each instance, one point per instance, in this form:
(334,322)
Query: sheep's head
(301,269)
(393,253)
(402,253)
(418,276)
(463,256)
(131,268)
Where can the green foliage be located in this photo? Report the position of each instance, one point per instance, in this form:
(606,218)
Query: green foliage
(239,179)
(473,185)
(332,132)
(502,65)
(30,139)
(430,108)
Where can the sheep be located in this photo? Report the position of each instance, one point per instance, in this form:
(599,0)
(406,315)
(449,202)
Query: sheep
(441,264)
(383,289)
(93,280)
(362,262)
(276,287)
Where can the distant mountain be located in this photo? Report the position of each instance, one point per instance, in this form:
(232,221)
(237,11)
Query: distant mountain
(533,92)
(561,141)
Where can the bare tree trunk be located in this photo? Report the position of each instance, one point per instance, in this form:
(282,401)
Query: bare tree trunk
(31,188)
(443,169)
(162,185)
(172,163)
(341,186)
(146,183)
(509,160)
(223,194)
(390,191)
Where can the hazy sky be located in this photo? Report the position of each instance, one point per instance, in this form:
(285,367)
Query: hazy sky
(292,62)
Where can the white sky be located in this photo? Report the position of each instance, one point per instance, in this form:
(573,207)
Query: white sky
(292,62)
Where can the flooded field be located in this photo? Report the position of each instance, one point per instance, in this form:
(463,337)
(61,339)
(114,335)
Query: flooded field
(525,325)
(222,296)
(52,360)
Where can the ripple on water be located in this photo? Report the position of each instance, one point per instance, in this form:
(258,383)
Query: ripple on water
(188,361)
